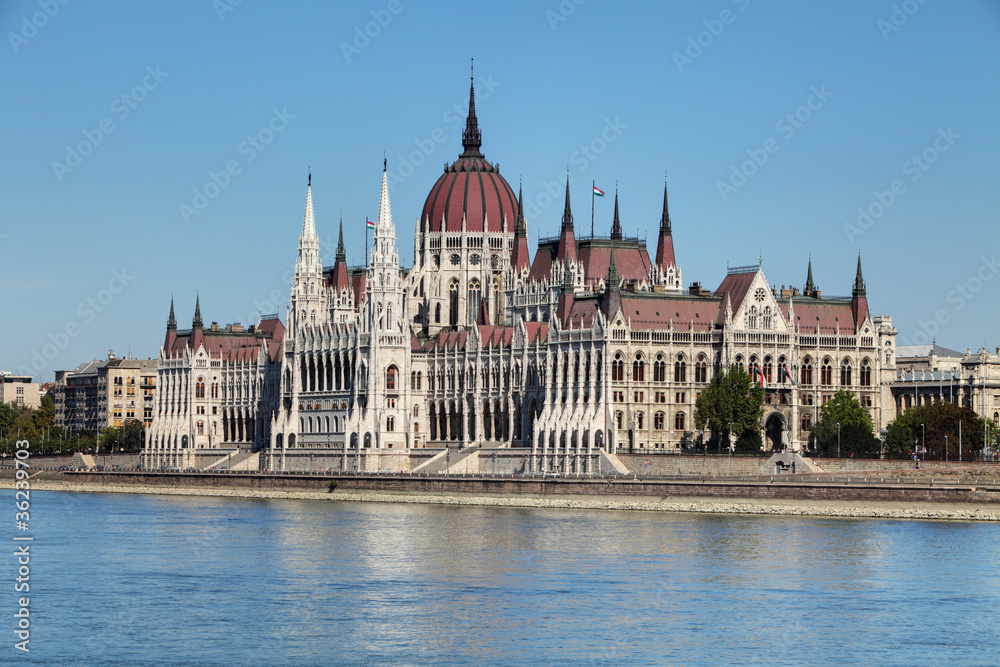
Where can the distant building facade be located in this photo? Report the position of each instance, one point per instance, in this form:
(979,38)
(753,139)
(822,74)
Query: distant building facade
(19,390)
(99,394)
(934,374)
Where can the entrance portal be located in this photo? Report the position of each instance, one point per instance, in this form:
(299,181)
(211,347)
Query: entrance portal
(773,430)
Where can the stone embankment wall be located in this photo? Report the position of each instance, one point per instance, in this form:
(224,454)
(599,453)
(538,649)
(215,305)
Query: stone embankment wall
(559,486)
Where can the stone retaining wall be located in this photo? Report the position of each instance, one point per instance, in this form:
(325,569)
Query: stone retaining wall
(558,486)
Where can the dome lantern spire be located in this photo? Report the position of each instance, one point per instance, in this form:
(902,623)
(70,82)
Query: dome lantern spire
(472,139)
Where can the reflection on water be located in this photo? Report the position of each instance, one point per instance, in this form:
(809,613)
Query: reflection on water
(134,579)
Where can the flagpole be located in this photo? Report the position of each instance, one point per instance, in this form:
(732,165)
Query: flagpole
(366,241)
(593,185)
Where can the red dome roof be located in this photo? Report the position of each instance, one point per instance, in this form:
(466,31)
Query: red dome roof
(473,187)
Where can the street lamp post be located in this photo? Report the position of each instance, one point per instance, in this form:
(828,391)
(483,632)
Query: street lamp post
(923,440)
(838,440)
(945,446)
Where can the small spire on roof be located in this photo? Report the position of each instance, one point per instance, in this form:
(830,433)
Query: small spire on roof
(567,219)
(197,323)
(859,281)
(810,285)
(341,255)
(172,321)
(665,217)
(616,225)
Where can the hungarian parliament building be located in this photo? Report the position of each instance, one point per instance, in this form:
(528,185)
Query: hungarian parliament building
(588,348)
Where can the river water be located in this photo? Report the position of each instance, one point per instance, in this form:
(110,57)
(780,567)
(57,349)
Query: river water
(137,579)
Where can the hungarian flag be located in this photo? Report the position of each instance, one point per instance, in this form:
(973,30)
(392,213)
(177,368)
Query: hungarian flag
(598,192)
(758,373)
(371,225)
(784,369)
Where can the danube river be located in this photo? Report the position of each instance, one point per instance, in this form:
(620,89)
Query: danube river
(137,579)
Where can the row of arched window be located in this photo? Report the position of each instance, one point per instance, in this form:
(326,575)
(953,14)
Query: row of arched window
(659,419)
(659,368)
(806,377)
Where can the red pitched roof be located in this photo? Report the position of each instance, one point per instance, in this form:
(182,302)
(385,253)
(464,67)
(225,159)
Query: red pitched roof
(736,285)
(657,311)
(631,260)
(819,316)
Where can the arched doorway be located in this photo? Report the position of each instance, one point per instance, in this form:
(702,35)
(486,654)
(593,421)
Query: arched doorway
(773,429)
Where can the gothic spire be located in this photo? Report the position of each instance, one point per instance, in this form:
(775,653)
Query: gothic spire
(341,255)
(810,285)
(520,227)
(197,323)
(665,217)
(472,139)
(384,223)
(616,225)
(567,219)
(308,221)
(859,282)
(172,322)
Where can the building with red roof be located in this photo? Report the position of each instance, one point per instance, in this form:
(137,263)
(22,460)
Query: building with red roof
(592,346)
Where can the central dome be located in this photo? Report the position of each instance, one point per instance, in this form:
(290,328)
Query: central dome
(471,187)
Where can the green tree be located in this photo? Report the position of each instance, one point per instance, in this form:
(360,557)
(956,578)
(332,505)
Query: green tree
(132,432)
(938,420)
(731,401)
(854,432)
(45,415)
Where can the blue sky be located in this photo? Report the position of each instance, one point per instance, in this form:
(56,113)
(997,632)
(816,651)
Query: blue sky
(775,122)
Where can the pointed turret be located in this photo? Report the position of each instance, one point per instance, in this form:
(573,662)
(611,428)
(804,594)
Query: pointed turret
(172,321)
(566,251)
(521,258)
(472,139)
(810,288)
(308,221)
(567,219)
(307,304)
(339,279)
(616,225)
(196,323)
(665,243)
(859,282)
(168,341)
(341,254)
(859,298)
(197,326)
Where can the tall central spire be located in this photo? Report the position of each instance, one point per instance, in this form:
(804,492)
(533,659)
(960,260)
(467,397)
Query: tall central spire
(472,139)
